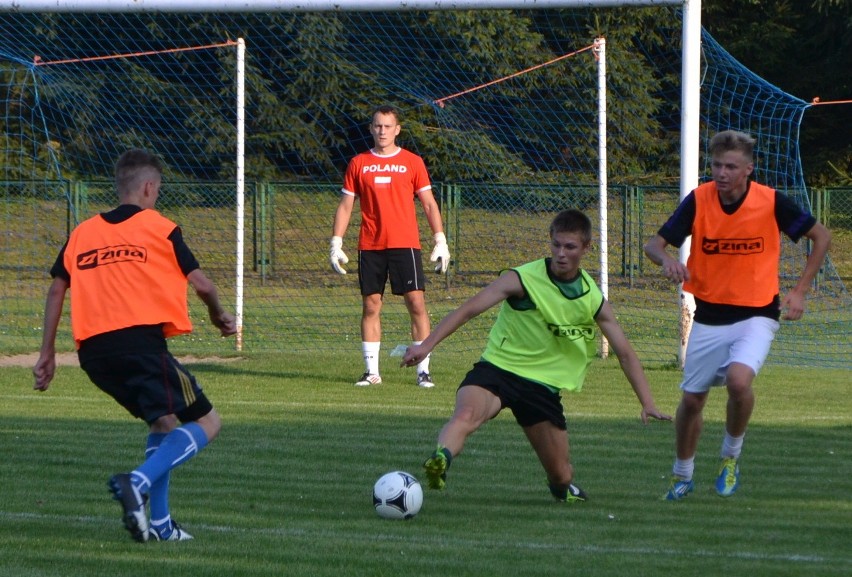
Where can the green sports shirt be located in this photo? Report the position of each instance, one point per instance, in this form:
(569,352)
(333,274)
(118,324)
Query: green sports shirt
(547,336)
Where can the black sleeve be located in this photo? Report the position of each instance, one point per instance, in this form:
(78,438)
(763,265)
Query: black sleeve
(679,224)
(186,260)
(58,268)
(792,219)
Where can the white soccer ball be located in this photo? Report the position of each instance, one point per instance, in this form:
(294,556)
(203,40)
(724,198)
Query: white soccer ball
(397,495)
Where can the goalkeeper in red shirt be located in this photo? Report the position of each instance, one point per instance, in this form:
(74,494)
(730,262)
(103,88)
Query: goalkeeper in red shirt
(385,180)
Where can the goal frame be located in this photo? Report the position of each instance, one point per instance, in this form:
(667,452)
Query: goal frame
(690,69)
(691,47)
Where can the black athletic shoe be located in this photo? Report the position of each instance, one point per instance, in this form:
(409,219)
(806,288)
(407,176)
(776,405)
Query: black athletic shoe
(133,505)
(570,494)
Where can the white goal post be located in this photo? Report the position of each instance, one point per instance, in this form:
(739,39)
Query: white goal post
(690,78)
(690,99)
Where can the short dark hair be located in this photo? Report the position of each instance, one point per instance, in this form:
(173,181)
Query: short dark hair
(134,165)
(728,140)
(386,109)
(572,220)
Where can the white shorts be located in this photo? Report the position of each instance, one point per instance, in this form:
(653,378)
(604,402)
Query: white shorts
(711,350)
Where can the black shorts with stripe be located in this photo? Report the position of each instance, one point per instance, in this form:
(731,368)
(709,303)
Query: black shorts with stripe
(149,385)
(530,402)
(402,266)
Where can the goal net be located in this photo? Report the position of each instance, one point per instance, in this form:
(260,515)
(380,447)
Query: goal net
(503,158)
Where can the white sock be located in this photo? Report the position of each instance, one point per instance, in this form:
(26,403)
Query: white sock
(684,468)
(371,356)
(732,446)
(422,366)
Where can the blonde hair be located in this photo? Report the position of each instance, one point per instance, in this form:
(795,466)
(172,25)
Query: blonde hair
(728,140)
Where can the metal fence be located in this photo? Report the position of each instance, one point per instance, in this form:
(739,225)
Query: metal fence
(293,301)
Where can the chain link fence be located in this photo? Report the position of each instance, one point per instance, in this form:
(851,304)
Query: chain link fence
(293,301)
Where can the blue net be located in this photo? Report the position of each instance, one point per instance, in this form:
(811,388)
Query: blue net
(501,104)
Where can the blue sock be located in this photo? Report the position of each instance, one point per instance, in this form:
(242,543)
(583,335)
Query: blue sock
(158,495)
(175,449)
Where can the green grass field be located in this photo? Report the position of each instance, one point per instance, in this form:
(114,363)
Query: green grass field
(285,490)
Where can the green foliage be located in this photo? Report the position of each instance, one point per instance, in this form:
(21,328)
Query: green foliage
(844,176)
(639,146)
(322,85)
(634,147)
(310,92)
(304,91)
(26,151)
(285,489)
(805,47)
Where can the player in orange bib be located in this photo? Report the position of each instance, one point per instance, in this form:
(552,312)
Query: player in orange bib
(732,271)
(386,180)
(128,271)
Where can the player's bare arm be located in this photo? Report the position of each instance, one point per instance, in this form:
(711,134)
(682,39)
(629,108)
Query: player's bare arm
(45,366)
(432,211)
(630,364)
(793,302)
(343,214)
(440,252)
(672,267)
(206,291)
(507,285)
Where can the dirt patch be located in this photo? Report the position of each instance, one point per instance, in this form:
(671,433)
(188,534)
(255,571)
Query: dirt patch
(70,359)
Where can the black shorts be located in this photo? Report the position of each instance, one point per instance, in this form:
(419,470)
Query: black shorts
(531,402)
(403,266)
(149,385)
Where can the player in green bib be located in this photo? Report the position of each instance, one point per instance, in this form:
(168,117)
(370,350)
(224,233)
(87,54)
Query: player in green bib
(541,343)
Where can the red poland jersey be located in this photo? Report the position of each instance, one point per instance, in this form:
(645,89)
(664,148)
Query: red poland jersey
(386,186)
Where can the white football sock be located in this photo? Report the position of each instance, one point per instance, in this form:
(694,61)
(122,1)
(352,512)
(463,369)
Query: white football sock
(732,446)
(371,356)
(684,468)
(422,366)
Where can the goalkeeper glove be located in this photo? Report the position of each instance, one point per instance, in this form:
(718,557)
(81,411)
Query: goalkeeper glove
(337,256)
(441,253)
